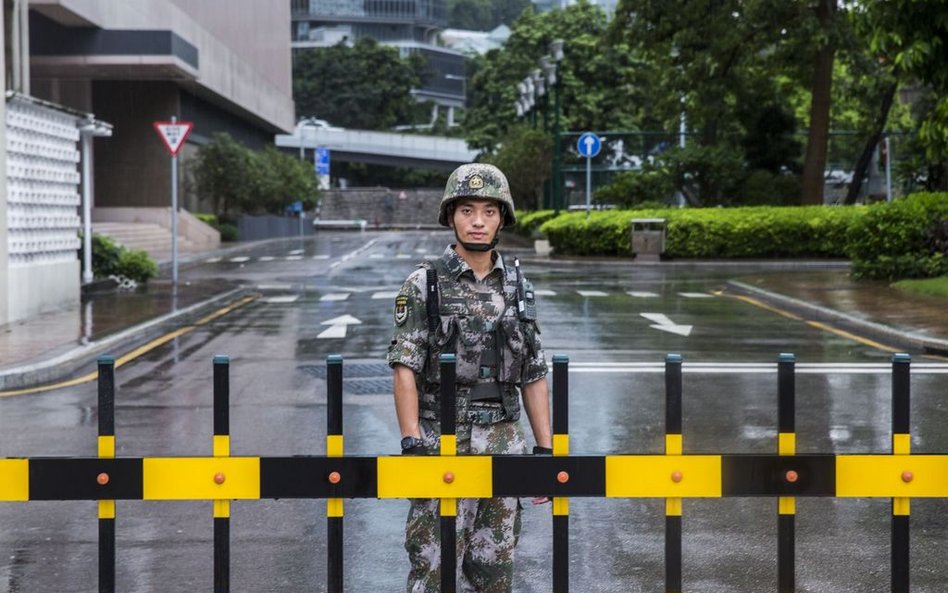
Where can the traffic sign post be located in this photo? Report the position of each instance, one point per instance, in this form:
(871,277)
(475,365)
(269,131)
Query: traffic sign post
(173,133)
(589,146)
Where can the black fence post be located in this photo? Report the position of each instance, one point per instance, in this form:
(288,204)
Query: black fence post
(786,445)
(221,448)
(560,448)
(674,443)
(106,450)
(334,448)
(449,506)
(901,445)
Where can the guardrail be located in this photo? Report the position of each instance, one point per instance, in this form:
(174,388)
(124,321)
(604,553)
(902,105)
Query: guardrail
(673,475)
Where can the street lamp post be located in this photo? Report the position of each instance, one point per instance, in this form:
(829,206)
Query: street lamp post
(536,87)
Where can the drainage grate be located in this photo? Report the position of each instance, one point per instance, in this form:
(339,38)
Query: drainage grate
(358,378)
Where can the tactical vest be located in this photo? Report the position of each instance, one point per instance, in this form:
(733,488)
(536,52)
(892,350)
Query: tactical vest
(500,350)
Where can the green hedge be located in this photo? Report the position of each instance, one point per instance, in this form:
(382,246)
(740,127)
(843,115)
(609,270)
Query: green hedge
(528,223)
(762,231)
(903,239)
(110,258)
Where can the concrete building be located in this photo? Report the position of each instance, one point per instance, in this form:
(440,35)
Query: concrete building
(73,66)
(411,26)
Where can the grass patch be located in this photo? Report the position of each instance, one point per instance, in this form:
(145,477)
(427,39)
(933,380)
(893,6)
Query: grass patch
(937,287)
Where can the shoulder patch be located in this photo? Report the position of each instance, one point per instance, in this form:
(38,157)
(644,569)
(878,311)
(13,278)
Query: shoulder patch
(401,309)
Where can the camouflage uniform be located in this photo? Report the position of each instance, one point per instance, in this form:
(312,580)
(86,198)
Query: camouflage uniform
(475,317)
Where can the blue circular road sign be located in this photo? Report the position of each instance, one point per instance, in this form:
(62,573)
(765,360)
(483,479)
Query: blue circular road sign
(589,145)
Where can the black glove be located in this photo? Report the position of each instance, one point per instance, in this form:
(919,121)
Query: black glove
(538,450)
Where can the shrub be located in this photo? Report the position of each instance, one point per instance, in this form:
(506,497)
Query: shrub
(207,218)
(815,231)
(112,259)
(228,232)
(137,265)
(906,238)
(528,223)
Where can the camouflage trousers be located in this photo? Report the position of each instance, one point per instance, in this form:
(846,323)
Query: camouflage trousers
(487,528)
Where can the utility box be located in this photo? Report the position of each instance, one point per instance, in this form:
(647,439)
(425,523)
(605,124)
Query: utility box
(648,238)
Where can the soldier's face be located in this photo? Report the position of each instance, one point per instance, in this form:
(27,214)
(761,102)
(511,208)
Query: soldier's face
(476,221)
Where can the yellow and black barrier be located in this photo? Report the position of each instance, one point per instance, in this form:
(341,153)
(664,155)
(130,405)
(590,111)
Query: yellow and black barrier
(673,476)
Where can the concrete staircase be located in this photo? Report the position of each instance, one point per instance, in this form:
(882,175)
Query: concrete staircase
(152,238)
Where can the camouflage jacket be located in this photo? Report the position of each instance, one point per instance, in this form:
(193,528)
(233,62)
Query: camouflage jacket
(475,318)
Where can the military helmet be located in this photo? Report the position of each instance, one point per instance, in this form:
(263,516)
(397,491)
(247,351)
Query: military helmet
(477,180)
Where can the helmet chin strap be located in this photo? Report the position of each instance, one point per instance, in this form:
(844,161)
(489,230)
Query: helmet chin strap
(478,246)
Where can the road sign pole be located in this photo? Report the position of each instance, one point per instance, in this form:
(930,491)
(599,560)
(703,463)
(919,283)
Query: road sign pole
(174,213)
(588,185)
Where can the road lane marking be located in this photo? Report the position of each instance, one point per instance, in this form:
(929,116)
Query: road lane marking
(376,256)
(266,258)
(295,252)
(642,295)
(141,350)
(662,322)
(854,337)
(338,326)
(335,296)
(290,298)
(212,260)
(321,257)
(696,295)
(240,259)
(544,292)
(757,368)
(403,256)
(294,257)
(391,294)
(274,286)
(352,254)
(592,293)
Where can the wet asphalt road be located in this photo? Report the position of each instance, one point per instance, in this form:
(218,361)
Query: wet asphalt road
(278,408)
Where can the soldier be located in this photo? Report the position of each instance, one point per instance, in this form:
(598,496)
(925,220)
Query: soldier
(481,310)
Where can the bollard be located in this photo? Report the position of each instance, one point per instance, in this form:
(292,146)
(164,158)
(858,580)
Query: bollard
(786,446)
(106,446)
(221,448)
(334,448)
(673,446)
(449,447)
(901,445)
(561,448)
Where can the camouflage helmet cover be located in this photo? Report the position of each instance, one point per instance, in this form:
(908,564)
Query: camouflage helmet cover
(477,180)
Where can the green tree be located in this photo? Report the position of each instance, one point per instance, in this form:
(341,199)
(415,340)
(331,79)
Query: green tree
(912,37)
(237,179)
(366,86)
(221,172)
(525,157)
(599,83)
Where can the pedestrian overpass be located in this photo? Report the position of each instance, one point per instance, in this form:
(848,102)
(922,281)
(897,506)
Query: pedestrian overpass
(381,148)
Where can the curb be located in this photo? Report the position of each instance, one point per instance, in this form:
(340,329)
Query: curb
(921,342)
(67,363)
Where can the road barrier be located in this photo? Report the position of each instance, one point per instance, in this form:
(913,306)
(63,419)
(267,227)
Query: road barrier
(334,477)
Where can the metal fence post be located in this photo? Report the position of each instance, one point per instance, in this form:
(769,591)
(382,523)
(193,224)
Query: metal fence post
(334,448)
(674,444)
(449,506)
(560,448)
(106,450)
(901,445)
(221,448)
(786,445)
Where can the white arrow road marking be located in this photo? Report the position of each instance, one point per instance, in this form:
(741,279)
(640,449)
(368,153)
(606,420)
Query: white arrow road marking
(385,295)
(544,292)
(665,324)
(591,293)
(642,295)
(338,326)
(290,298)
(335,296)
(696,295)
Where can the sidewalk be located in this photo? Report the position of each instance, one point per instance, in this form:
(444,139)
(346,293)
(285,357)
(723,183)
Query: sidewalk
(54,346)
(894,317)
